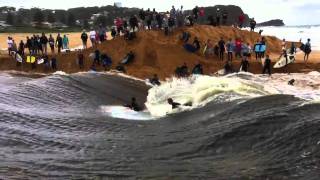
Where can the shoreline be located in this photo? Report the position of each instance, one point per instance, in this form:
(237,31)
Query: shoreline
(167,53)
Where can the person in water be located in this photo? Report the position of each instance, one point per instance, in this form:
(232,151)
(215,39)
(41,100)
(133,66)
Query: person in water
(173,104)
(133,105)
(267,66)
(155,80)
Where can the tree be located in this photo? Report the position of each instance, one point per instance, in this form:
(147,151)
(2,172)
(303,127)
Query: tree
(101,20)
(51,18)
(71,20)
(38,17)
(10,18)
(86,24)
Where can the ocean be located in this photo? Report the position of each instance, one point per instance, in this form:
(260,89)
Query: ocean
(242,126)
(295,34)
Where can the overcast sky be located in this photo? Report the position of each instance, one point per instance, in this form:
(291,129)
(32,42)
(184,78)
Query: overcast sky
(293,12)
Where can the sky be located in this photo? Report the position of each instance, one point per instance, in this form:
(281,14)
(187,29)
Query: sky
(293,12)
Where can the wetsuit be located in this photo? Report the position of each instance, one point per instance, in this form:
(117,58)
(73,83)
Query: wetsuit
(245,65)
(175,105)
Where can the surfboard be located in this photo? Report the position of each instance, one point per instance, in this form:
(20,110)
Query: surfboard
(204,49)
(18,58)
(40,61)
(121,112)
(240,70)
(282,61)
(221,72)
(263,60)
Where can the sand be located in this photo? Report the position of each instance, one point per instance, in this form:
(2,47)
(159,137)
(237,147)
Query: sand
(160,54)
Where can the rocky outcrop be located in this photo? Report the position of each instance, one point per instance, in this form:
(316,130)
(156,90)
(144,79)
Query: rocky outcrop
(274,22)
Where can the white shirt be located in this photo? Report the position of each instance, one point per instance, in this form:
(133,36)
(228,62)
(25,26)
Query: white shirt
(92,34)
(10,43)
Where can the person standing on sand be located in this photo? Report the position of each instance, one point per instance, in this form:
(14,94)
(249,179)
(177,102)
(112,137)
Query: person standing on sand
(93,37)
(222,48)
(44,42)
(241,20)
(224,18)
(267,66)
(10,44)
(84,38)
(307,50)
(230,47)
(142,16)
(65,42)
(238,47)
(21,48)
(59,43)
(253,24)
(29,44)
(283,45)
(51,43)
(195,12)
(102,33)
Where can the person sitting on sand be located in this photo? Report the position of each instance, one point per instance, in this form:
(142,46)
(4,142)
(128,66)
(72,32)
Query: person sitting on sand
(267,66)
(244,64)
(155,80)
(173,104)
(196,44)
(133,105)
(307,50)
(106,61)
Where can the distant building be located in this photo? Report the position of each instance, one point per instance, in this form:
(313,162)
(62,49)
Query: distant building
(118,4)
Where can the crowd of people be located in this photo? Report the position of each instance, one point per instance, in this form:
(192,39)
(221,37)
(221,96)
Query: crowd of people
(225,49)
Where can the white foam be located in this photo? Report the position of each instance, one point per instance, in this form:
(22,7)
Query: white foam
(199,90)
(121,112)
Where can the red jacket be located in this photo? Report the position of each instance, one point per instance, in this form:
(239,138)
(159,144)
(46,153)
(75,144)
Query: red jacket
(241,18)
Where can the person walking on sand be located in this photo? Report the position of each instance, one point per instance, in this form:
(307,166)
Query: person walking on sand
(92,35)
(51,43)
(253,24)
(65,41)
(241,20)
(84,38)
(307,50)
(59,43)
(10,45)
(44,43)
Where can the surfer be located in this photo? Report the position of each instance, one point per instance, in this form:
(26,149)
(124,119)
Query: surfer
(173,104)
(307,50)
(155,80)
(133,105)
(291,82)
(267,66)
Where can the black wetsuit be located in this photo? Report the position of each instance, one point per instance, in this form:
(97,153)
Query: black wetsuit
(245,65)
(155,81)
(221,49)
(175,105)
